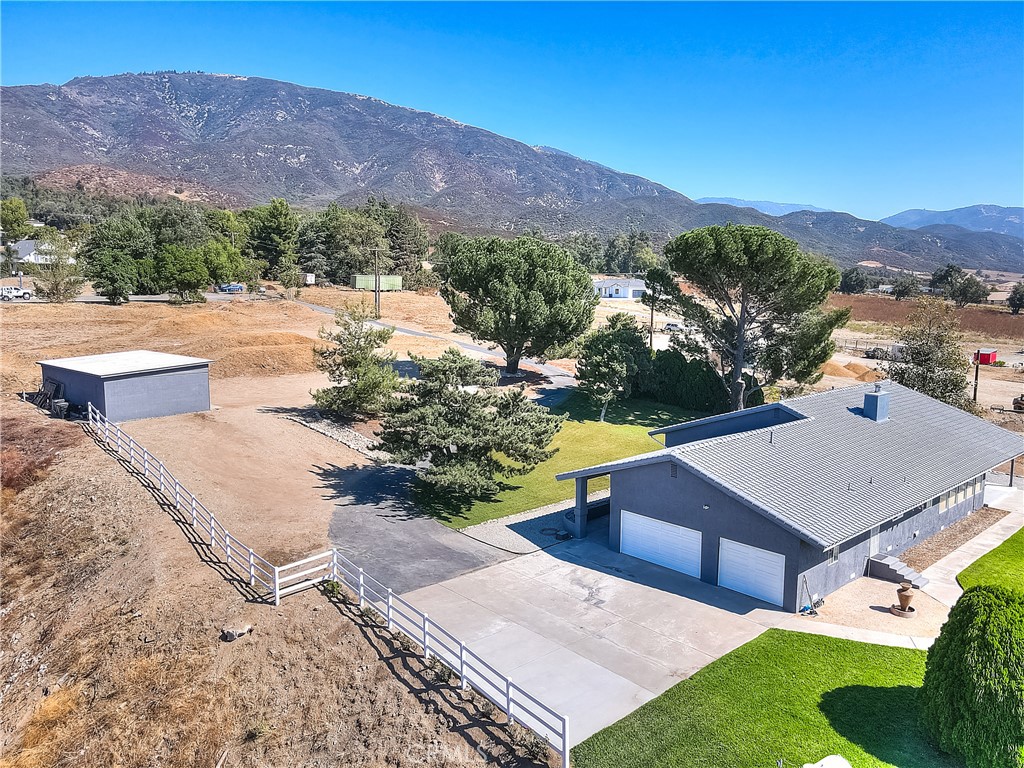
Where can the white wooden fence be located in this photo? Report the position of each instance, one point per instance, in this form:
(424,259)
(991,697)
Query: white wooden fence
(237,555)
(398,614)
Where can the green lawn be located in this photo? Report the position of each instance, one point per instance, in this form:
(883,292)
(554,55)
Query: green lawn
(785,695)
(582,441)
(1003,565)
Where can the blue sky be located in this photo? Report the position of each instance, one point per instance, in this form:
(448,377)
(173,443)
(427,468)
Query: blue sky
(869,108)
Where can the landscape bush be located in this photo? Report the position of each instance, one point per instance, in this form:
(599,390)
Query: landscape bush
(690,384)
(972,700)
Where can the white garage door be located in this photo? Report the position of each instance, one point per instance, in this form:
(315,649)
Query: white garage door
(669,545)
(752,571)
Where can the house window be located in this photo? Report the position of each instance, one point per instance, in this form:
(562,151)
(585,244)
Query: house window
(833,556)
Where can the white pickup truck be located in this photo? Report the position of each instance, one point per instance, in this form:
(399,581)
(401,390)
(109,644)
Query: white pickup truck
(11,292)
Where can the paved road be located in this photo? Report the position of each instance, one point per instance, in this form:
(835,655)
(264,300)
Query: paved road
(378,527)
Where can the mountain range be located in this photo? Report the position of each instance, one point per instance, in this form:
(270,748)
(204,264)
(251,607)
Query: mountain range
(764,206)
(978,218)
(250,139)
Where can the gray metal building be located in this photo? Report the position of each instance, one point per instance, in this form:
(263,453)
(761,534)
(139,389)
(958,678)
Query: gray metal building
(824,488)
(132,385)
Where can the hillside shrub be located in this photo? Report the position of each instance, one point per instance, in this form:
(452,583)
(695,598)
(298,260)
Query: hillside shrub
(972,700)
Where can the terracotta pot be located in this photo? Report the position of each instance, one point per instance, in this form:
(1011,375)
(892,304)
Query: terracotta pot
(905,594)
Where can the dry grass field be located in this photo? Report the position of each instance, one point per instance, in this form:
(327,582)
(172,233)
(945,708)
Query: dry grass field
(243,338)
(989,322)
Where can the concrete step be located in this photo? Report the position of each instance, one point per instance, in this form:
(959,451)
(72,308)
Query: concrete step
(889,568)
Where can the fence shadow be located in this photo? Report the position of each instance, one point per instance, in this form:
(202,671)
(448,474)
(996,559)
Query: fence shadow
(192,536)
(481,725)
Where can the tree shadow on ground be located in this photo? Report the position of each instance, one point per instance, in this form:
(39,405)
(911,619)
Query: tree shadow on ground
(389,491)
(885,723)
(636,412)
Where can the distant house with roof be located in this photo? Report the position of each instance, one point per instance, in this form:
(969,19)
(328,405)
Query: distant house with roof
(620,288)
(31,252)
(789,501)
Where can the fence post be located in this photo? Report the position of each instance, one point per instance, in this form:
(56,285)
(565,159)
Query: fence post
(145,464)
(160,474)
(563,753)
(390,623)
(360,587)
(462,665)
(277,585)
(508,701)
(334,564)
(426,638)
(213,538)
(252,566)
(176,491)
(227,548)
(193,511)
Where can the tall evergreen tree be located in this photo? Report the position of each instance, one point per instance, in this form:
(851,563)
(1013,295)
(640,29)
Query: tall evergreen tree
(273,235)
(764,305)
(524,295)
(463,432)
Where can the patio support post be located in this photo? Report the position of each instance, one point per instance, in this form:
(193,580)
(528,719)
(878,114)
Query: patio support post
(1013,466)
(579,528)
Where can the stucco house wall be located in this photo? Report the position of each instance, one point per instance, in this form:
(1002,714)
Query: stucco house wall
(652,491)
(894,538)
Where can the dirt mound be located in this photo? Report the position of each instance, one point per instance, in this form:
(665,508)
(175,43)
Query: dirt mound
(871,375)
(857,368)
(834,369)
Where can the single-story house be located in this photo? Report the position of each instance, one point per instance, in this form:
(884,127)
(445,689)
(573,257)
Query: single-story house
(140,384)
(620,288)
(789,501)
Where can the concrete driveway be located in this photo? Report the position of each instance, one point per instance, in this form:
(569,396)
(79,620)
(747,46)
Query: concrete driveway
(593,633)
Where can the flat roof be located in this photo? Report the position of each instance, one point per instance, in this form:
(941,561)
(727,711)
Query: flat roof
(121,363)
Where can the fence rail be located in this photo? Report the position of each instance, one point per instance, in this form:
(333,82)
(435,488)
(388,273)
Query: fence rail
(237,555)
(399,614)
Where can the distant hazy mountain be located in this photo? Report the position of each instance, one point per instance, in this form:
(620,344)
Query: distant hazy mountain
(978,218)
(250,139)
(764,206)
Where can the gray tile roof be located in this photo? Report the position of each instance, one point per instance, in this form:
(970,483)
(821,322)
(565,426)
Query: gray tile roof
(834,474)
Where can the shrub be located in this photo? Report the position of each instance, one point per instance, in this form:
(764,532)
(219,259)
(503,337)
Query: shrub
(690,384)
(972,700)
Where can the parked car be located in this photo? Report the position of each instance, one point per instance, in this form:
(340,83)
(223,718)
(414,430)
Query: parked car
(231,288)
(11,292)
(673,327)
(876,353)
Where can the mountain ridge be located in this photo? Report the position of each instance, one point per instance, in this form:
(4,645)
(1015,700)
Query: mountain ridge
(764,206)
(255,138)
(1005,220)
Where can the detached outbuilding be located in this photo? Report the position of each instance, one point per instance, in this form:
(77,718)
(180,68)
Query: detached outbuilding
(131,385)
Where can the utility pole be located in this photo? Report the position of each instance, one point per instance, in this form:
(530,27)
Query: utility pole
(376,282)
(977,368)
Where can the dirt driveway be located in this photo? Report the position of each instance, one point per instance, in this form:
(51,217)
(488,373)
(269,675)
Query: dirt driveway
(258,471)
(590,632)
